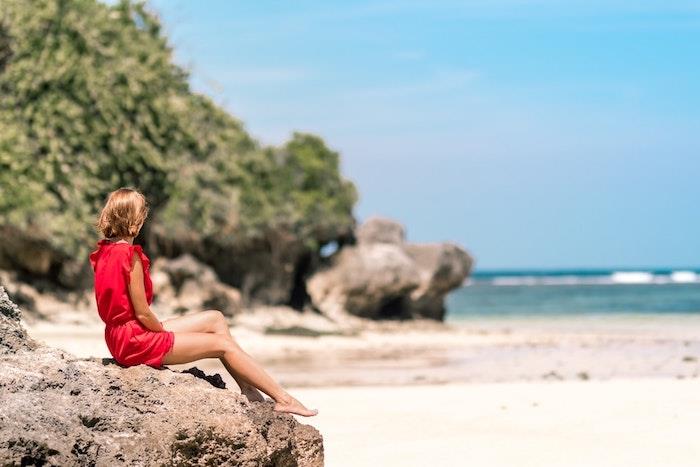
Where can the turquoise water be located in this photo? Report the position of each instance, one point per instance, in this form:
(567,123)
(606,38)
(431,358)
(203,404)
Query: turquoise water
(561,293)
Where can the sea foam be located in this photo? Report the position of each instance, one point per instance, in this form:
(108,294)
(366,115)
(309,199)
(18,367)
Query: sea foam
(632,277)
(603,278)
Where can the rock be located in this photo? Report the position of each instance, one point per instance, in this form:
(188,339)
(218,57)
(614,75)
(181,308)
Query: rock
(380,230)
(190,296)
(442,267)
(364,280)
(223,297)
(185,267)
(163,289)
(13,337)
(264,271)
(186,284)
(21,293)
(34,256)
(44,300)
(382,277)
(25,253)
(267,270)
(61,410)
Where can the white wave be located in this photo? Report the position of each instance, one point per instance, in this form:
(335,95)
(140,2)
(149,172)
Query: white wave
(615,278)
(514,280)
(632,277)
(548,280)
(685,277)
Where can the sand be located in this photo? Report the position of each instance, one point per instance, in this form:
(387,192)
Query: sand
(511,393)
(479,351)
(602,423)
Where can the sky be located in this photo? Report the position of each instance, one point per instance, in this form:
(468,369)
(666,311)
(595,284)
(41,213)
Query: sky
(536,134)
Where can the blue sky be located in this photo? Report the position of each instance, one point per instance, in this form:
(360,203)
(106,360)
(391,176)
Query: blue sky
(537,134)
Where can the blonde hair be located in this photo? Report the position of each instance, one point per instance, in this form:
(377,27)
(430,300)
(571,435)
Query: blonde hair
(124,213)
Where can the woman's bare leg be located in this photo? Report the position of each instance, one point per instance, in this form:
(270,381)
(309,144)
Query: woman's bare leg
(191,346)
(212,321)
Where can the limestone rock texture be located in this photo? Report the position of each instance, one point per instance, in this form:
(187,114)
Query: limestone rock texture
(60,410)
(384,277)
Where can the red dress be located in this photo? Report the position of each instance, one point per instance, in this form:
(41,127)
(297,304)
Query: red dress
(129,341)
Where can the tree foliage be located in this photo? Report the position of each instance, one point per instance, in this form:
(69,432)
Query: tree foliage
(91,100)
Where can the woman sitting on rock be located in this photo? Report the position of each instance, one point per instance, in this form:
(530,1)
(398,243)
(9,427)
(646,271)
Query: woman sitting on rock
(135,336)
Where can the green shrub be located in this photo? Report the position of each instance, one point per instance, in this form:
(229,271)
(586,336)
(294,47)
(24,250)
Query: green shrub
(92,101)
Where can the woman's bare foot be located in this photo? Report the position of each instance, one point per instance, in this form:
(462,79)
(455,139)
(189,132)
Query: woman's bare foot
(291,405)
(252,393)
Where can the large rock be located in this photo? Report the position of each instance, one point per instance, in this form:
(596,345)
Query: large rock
(383,277)
(442,267)
(185,284)
(366,280)
(34,256)
(61,410)
(264,270)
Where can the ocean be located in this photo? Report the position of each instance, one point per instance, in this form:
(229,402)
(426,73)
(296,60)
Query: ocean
(522,294)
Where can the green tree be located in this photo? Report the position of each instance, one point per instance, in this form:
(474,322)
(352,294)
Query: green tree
(91,101)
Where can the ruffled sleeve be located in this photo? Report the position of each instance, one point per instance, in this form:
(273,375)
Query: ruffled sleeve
(144,259)
(95,255)
(93,258)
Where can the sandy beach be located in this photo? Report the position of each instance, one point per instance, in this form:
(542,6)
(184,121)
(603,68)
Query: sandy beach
(575,392)
(476,351)
(575,424)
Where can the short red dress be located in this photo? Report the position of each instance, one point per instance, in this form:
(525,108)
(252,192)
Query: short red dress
(129,341)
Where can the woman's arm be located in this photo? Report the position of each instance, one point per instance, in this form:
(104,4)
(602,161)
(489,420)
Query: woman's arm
(137,292)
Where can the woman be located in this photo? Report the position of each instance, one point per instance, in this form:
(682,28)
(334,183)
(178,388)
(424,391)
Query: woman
(134,335)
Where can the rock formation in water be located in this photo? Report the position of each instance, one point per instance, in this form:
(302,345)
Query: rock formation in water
(57,409)
(384,277)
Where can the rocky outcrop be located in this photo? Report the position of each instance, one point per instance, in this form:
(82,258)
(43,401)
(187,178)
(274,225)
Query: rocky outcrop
(264,270)
(21,251)
(42,299)
(364,280)
(61,410)
(442,267)
(383,277)
(185,284)
(267,270)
